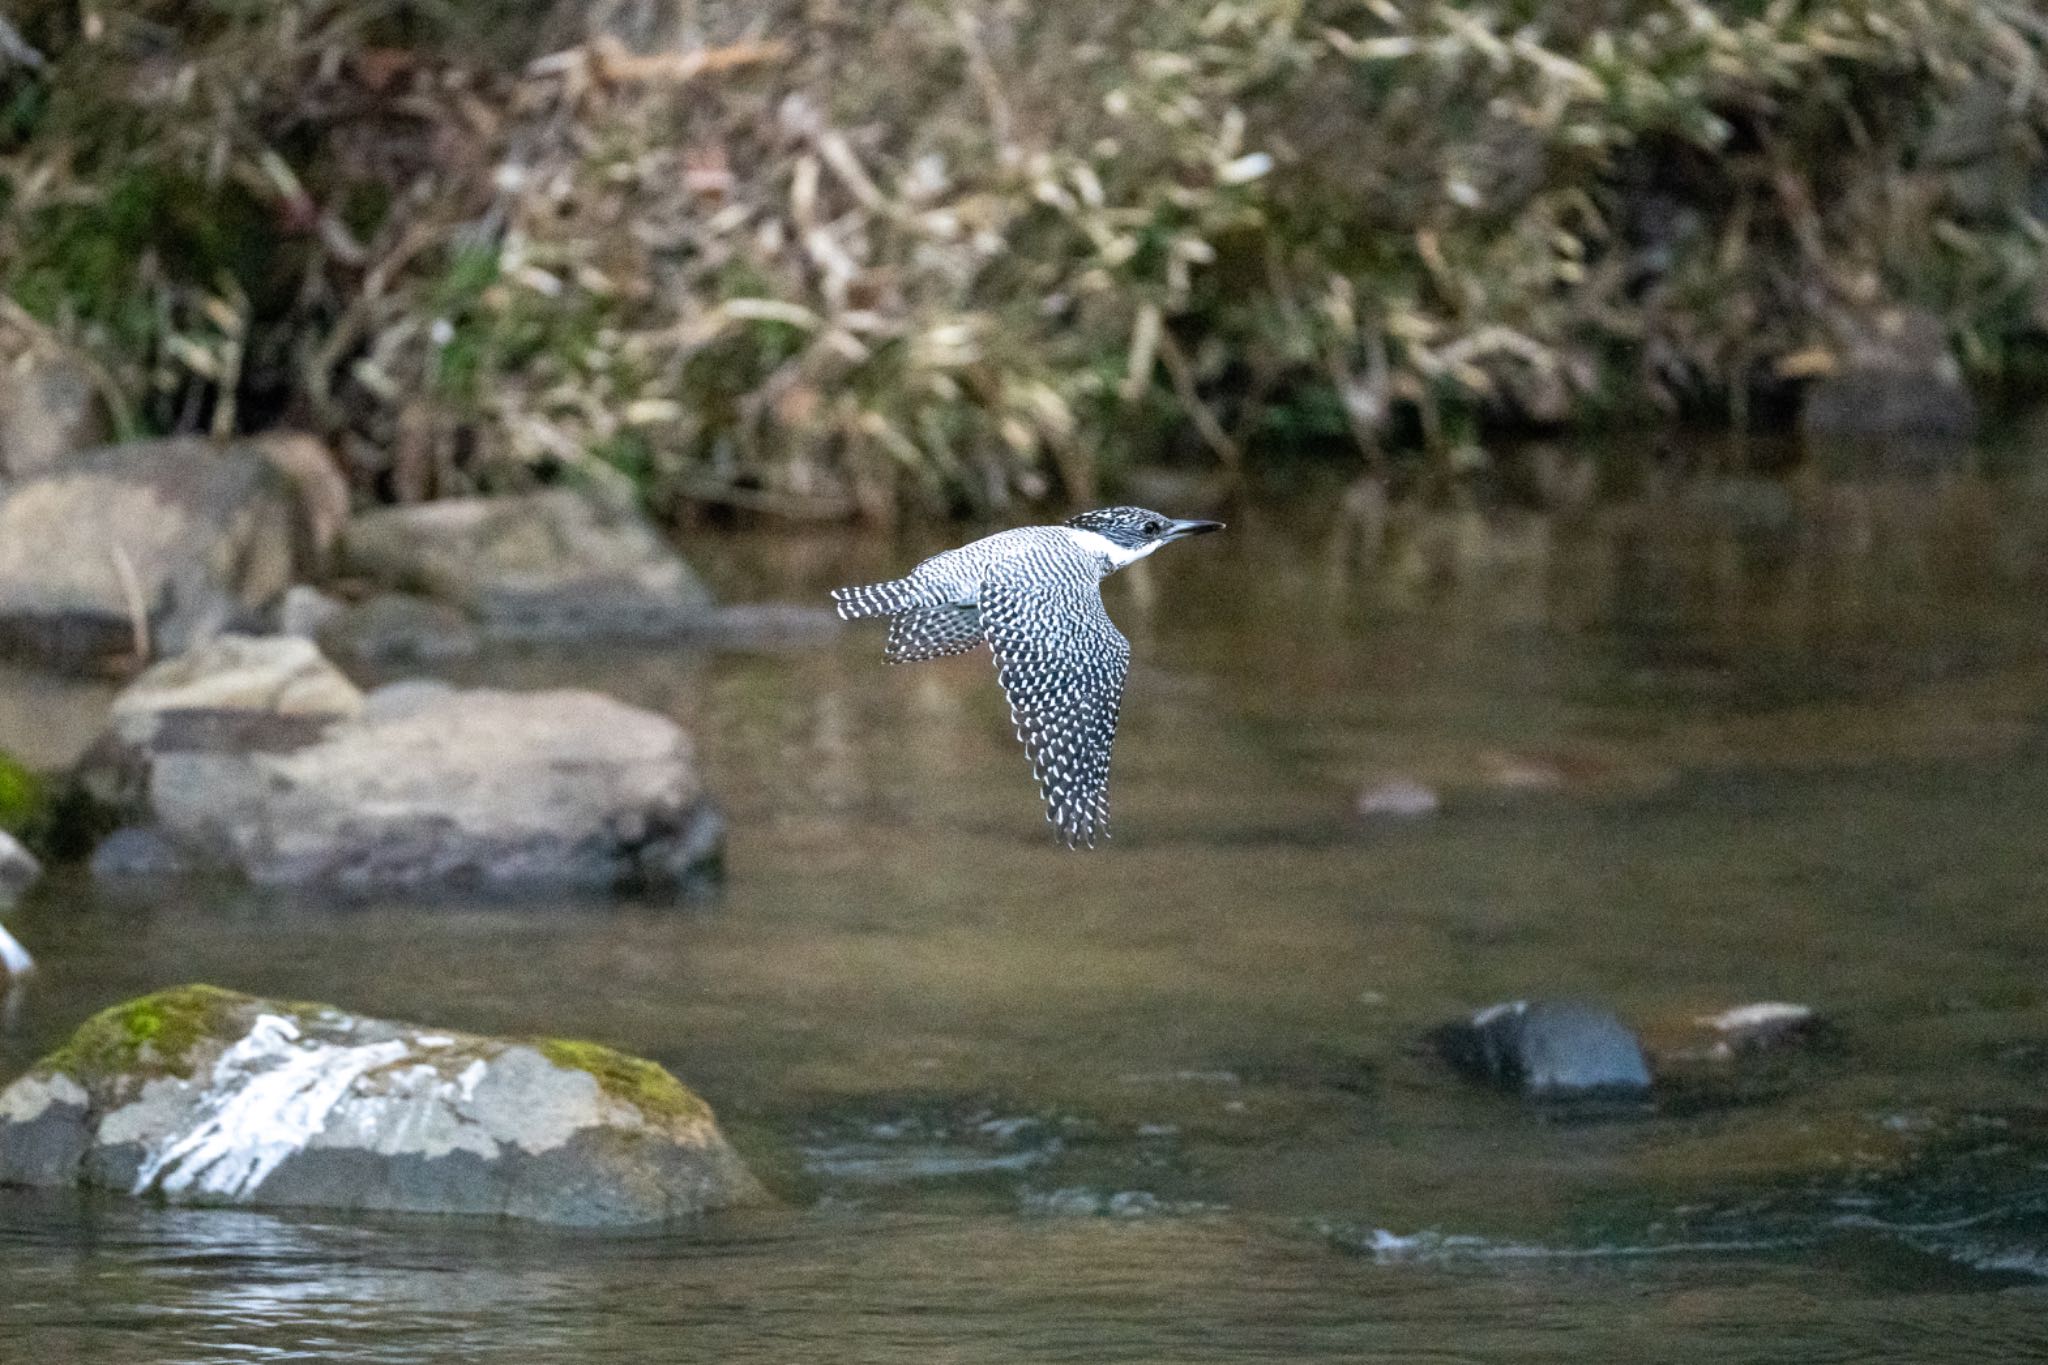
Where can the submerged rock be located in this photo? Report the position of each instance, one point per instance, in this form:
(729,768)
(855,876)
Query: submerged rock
(430,787)
(202,1096)
(554,565)
(1547,1049)
(1765,1026)
(178,540)
(1398,798)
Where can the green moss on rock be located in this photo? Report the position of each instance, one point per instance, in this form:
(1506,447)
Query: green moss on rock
(640,1083)
(24,802)
(156,1033)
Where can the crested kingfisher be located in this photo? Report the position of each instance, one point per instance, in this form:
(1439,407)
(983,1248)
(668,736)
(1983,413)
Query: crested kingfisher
(1034,596)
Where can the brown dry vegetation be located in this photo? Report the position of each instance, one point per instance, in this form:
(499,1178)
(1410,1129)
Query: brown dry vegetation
(829,258)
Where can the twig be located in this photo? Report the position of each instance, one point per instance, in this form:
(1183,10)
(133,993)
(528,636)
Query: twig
(1183,376)
(118,412)
(131,592)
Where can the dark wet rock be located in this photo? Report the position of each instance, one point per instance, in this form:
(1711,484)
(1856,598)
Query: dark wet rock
(554,565)
(280,674)
(433,788)
(400,628)
(305,611)
(1890,376)
(1547,1049)
(202,1096)
(1398,798)
(192,538)
(135,855)
(49,408)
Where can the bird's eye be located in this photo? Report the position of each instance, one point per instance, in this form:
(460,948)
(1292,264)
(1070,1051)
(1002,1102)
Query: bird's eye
(1153,528)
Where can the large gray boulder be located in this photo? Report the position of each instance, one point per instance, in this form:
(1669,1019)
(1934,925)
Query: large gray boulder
(428,787)
(202,1096)
(554,565)
(179,539)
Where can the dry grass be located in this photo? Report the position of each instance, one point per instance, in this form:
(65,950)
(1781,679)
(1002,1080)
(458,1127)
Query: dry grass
(827,259)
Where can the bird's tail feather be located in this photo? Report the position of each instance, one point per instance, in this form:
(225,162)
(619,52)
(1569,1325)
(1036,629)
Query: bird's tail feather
(875,599)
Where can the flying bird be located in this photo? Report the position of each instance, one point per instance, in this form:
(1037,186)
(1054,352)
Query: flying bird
(1033,595)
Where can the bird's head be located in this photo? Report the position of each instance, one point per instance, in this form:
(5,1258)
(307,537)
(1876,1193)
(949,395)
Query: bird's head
(1136,530)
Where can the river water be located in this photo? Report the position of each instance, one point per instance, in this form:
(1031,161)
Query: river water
(1714,740)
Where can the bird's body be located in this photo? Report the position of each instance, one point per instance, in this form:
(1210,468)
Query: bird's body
(1033,595)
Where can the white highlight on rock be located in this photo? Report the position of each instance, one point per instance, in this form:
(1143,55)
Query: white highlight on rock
(1763,1014)
(269,1094)
(14,958)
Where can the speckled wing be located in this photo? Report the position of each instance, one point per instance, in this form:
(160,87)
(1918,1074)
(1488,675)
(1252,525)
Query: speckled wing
(933,633)
(1061,662)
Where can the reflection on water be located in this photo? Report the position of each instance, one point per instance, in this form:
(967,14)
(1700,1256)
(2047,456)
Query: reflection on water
(1707,740)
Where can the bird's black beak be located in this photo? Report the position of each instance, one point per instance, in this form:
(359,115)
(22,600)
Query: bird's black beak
(1180,529)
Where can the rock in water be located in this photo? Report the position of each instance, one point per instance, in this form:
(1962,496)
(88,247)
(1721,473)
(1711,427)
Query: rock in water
(203,1096)
(555,565)
(1547,1049)
(429,788)
(275,673)
(187,538)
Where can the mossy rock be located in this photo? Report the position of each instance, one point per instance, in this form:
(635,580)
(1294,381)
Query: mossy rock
(202,1095)
(24,800)
(645,1085)
(155,1035)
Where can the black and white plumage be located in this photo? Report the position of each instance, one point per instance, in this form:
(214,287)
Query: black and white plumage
(1034,596)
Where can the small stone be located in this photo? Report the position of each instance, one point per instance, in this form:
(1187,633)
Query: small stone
(1764,1026)
(1399,798)
(280,674)
(1547,1049)
(306,611)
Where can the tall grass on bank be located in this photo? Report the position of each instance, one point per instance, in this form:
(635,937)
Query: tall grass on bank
(825,258)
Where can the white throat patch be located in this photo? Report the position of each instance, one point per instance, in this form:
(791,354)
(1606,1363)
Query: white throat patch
(1114,555)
